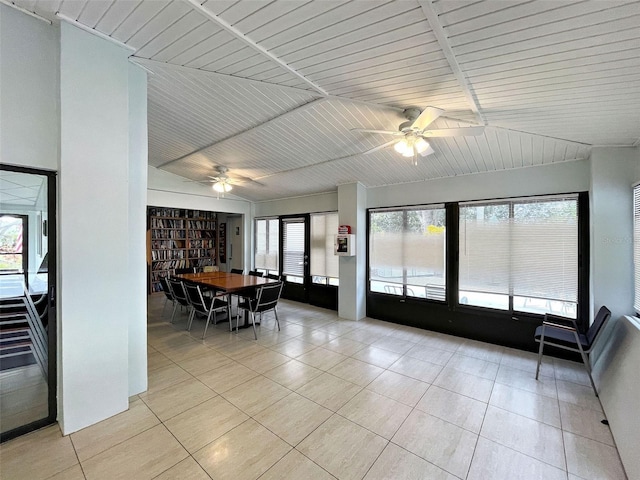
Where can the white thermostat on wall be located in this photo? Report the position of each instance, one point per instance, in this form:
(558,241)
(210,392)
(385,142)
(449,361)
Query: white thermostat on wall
(345,245)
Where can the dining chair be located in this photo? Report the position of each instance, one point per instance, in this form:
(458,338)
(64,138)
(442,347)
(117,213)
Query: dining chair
(180,296)
(266,300)
(204,305)
(561,332)
(237,270)
(274,276)
(166,289)
(255,273)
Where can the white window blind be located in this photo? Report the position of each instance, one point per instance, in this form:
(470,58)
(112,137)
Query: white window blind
(266,253)
(323,261)
(293,248)
(525,248)
(407,251)
(636,247)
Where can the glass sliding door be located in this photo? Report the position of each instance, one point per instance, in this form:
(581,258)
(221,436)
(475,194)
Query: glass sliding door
(27,300)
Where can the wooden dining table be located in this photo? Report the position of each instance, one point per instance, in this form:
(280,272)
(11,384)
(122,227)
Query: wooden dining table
(228,283)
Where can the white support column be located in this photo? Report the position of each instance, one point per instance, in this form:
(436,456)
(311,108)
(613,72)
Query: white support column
(352,208)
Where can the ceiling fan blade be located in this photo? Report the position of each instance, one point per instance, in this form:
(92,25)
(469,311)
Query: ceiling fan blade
(427,116)
(453,132)
(379,147)
(384,132)
(239,180)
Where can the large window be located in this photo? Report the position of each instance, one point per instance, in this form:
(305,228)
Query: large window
(520,254)
(266,254)
(324,263)
(407,252)
(636,247)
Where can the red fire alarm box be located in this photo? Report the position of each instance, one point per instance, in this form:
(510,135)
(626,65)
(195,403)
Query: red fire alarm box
(344,229)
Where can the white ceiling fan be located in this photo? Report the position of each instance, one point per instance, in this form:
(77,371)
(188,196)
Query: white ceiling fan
(223,182)
(411,137)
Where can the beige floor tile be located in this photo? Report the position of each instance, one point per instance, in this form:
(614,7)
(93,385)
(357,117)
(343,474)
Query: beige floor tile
(465,384)
(355,371)
(363,335)
(399,387)
(399,464)
(592,460)
(394,344)
(474,366)
(293,374)
(204,362)
(73,473)
(580,395)
(142,457)
(462,411)
(329,391)
(574,372)
(343,448)
(316,337)
(164,377)
(441,443)
(377,356)
(97,438)
(255,395)
(387,418)
(187,350)
(494,461)
(430,354)
(293,348)
(538,407)
(481,350)
(204,423)
(585,422)
(414,368)
(344,346)
(295,466)
(442,341)
(187,469)
(538,440)
(37,455)
(523,380)
(157,360)
(177,398)
(321,358)
(528,362)
(228,376)
(293,418)
(168,338)
(240,349)
(263,361)
(244,453)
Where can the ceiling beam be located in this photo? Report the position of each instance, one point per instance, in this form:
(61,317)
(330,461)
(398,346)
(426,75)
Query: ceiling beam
(296,110)
(443,41)
(195,4)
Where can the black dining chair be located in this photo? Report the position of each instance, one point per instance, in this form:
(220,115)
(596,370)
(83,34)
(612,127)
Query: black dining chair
(180,296)
(266,300)
(180,271)
(255,273)
(237,270)
(561,332)
(274,276)
(166,289)
(204,305)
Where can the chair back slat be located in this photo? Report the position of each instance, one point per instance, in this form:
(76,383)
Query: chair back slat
(596,327)
(268,296)
(194,295)
(255,273)
(166,288)
(237,270)
(179,292)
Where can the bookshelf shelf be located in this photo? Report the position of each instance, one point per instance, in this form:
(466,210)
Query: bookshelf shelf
(179,238)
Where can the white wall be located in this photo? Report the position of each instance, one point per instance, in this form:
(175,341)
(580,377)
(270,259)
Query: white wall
(138,159)
(29,115)
(613,171)
(554,178)
(323,202)
(94,229)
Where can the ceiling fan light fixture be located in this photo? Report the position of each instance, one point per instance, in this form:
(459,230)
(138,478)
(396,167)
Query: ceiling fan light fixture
(222,187)
(421,145)
(402,147)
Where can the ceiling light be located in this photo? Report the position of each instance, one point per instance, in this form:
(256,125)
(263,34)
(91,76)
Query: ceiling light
(421,145)
(222,187)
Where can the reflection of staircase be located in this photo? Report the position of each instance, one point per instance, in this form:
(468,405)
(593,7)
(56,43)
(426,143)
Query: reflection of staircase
(23,338)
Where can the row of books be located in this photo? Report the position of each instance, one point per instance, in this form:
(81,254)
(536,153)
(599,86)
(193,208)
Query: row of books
(166,254)
(200,243)
(201,252)
(201,262)
(202,225)
(175,234)
(201,214)
(169,265)
(165,212)
(200,234)
(166,223)
(168,244)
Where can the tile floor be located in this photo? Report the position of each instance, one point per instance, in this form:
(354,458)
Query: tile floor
(326,398)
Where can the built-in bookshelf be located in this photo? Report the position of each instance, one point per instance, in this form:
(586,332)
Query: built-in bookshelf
(179,238)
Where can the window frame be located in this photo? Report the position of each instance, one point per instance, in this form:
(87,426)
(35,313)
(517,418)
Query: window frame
(266,271)
(327,281)
(635,194)
(404,296)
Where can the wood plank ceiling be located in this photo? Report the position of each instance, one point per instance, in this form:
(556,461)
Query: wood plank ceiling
(272,89)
